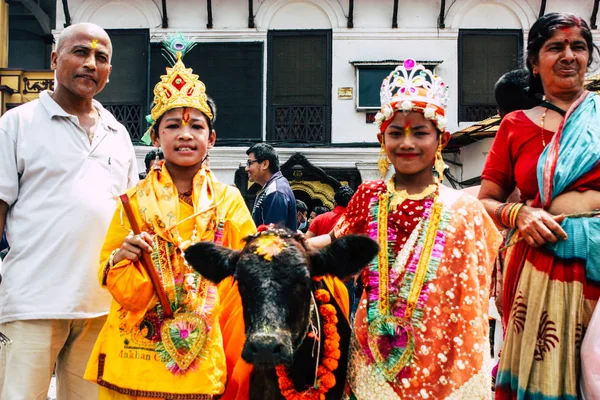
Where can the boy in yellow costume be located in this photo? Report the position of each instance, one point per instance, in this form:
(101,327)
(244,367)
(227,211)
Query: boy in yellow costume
(142,353)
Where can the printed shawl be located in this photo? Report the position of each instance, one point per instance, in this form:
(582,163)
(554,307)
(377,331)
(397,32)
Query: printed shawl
(451,344)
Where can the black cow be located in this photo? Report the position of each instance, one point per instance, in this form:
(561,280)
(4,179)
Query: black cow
(275,272)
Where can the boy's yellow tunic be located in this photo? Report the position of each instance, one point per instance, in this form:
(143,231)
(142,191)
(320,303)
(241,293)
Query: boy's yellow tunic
(125,358)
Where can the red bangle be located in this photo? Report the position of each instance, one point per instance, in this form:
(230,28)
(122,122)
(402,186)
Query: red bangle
(498,215)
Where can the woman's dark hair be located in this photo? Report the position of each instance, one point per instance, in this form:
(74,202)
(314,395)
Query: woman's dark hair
(542,30)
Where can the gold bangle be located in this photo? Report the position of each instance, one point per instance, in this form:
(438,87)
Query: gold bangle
(515,214)
(109,264)
(111,258)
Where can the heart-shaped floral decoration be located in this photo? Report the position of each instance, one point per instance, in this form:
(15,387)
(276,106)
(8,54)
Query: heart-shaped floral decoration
(392,343)
(183,338)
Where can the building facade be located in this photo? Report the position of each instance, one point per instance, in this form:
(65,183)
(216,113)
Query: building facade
(305,74)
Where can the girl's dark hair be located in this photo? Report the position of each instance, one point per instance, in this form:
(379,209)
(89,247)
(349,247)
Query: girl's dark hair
(542,30)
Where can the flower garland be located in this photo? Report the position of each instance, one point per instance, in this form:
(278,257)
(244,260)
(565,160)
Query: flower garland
(182,341)
(397,289)
(325,379)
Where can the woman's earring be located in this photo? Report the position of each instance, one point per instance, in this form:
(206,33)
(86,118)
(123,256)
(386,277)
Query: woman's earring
(383,164)
(439,165)
(206,159)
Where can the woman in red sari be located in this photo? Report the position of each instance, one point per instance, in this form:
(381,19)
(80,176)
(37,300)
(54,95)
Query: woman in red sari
(551,153)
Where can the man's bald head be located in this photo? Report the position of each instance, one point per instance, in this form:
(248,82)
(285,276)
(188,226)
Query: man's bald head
(86,28)
(82,62)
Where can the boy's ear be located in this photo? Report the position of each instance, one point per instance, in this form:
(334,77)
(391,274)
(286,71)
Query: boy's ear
(344,257)
(213,262)
(154,137)
(212,138)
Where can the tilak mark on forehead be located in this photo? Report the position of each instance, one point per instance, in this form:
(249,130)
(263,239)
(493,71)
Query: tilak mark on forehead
(94,43)
(407,130)
(185,116)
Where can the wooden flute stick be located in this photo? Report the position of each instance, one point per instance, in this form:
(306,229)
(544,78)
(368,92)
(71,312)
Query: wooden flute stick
(146,260)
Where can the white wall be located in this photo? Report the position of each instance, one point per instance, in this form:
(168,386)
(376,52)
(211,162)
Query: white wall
(349,125)
(371,39)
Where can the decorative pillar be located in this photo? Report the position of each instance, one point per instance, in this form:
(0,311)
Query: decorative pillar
(3,34)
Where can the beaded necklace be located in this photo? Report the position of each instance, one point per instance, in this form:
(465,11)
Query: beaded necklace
(542,123)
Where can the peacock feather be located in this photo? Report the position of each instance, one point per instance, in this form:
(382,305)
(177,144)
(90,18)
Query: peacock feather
(175,47)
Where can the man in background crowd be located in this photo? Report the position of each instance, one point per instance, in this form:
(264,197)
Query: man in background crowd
(275,202)
(316,211)
(302,216)
(325,222)
(511,92)
(151,158)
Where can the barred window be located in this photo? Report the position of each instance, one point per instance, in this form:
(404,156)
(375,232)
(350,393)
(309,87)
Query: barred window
(483,57)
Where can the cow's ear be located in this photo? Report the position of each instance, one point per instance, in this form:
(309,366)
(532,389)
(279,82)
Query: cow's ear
(344,257)
(213,262)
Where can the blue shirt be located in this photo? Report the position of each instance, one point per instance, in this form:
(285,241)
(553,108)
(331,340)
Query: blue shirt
(275,203)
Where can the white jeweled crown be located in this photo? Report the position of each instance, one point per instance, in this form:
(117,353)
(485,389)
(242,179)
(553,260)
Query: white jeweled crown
(412,87)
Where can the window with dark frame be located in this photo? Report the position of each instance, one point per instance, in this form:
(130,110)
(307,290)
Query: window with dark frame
(370,74)
(299,86)
(29,47)
(484,55)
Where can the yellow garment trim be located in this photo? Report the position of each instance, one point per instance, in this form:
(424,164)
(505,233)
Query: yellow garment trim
(417,285)
(382,238)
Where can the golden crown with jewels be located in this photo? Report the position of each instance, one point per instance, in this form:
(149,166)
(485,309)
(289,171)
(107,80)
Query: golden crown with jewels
(412,87)
(180,87)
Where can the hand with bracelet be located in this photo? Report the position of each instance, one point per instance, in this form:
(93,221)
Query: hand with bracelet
(132,247)
(536,225)
(539,227)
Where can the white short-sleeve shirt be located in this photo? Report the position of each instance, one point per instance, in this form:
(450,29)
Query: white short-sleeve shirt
(62,192)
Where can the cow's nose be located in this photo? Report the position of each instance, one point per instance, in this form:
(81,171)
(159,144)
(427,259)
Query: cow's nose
(267,346)
(267,349)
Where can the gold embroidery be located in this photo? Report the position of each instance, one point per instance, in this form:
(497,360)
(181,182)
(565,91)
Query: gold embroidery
(382,237)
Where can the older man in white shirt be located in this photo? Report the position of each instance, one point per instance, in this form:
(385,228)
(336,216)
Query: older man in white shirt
(64,160)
